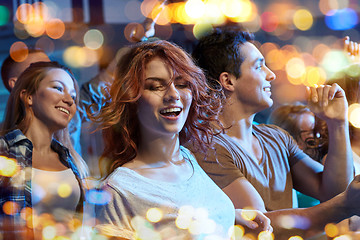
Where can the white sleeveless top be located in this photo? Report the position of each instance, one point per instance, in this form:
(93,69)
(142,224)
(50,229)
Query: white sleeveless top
(56,193)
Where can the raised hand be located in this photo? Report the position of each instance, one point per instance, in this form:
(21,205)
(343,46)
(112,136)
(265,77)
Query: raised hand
(328,102)
(351,49)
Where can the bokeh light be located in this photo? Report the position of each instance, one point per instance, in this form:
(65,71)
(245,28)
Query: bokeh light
(269,21)
(201,29)
(341,19)
(295,68)
(64,190)
(266,235)
(4,15)
(303,19)
(334,61)
(237,232)
(55,28)
(24,13)
(354,119)
(46,44)
(49,232)
(331,230)
(133,32)
(154,215)
(195,8)
(93,39)
(295,238)
(248,214)
(10,208)
(8,167)
(132,10)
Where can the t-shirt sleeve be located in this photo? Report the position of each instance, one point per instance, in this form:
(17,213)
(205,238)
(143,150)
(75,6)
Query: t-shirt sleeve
(114,217)
(219,166)
(295,154)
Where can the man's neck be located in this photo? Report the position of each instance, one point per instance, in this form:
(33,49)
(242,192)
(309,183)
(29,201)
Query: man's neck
(237,120)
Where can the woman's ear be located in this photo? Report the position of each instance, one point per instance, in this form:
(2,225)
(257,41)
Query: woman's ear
(27,98)
(226,79)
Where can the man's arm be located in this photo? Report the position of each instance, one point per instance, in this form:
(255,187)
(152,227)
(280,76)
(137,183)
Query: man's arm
(304,222)
(328,103)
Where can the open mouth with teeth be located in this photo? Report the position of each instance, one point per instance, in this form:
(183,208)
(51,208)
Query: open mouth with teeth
(63,110)
(171,112)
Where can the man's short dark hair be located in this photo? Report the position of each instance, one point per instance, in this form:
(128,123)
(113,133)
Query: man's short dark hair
(7,67)
(220,52)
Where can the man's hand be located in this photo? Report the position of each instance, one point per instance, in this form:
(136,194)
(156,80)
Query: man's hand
(252,219)
(328,102)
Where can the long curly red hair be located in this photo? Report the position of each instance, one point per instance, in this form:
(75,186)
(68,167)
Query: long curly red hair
(118,117)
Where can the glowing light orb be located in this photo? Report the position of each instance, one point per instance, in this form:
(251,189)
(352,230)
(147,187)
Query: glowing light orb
(93,39)
(354,119)
(10,208)
(154,215)
(55,28)
(341,19)
(303,19)
(49,232)
(237,232)
(19,51)
(8,167)
(64,190)
(195,8)
(295,67)
(269,21)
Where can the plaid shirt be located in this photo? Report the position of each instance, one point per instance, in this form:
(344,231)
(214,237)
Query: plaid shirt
(17,188)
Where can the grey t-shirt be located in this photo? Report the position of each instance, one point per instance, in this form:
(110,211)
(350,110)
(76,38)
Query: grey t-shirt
(271,177)
(191,209)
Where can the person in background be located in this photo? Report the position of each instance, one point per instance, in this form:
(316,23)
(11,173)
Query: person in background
(257,166)
(35,139)
(158,102)
(309,132)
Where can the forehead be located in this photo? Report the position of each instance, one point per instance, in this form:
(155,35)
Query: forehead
(250,53)
(59,75)
(157,67)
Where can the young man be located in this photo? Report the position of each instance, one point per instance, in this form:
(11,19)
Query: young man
(257,166)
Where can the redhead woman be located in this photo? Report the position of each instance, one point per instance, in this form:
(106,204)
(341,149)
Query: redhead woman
(159,101)
(45,188)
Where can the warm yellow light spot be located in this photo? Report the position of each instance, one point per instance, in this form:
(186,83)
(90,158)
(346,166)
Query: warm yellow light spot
(93,39)
(331,230)
(248,214)
(161,14)
(314,76)
(8,167)
(354,115)
(19,51)
(319,51)
(74,56)
(10,208)
(295,68)
(154,215)
(245,13)
(49,232)
(303,19)
(295,238)
(231,8)
(275,59)
(55,28)
(266,235)
(36,26)
(195,8)
(237,232)
(184,217)
(64,190)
